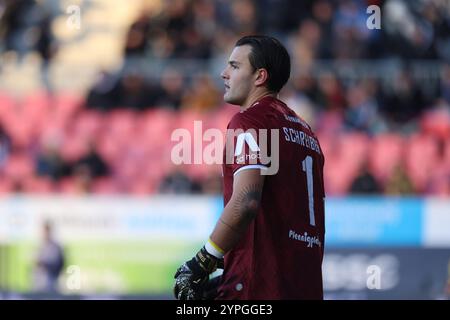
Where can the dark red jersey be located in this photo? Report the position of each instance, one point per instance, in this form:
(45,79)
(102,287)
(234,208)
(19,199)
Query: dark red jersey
(280,255)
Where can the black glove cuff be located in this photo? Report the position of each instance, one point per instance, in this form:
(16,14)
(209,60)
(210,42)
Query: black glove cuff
(195,267)
(206,261)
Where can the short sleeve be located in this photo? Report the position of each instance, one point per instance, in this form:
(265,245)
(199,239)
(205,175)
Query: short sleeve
(247,143)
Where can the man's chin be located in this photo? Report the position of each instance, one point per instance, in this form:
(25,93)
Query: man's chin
(230,100)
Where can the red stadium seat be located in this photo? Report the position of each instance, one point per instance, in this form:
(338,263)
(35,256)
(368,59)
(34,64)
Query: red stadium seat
(67,103)
(88,124)
(34,109)
(326,143)
(421,157)
(120,124)
(437,123)
(158,118)
(37,102)
(129,173)
(6,185)
(329,122)
(154,168)
(21,131)
(187,119)
(155,127)
(198,171)
(354,149)
(143,187)
(72,185)
(385,154)
(7,102)
(439,181)
(338,177)
(19,166)
(447,153)
(126,169)
(23,118)
(344,156)
(66,185)
(52,133)
(39,185)
(105,186)
(110,149)
(86,128)
(73,148)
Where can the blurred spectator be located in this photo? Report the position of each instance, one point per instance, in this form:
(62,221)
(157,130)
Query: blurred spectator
(46,47)
(26,25)
(365,182)
(185,30)
(135,93)
(305,84)
(399,183)
(445,83)
(3,23)
(18,16)
(104,94)
(362,111)
(300,104)
(82,179)
(405,102)
(305,44)
(91,162)
(172,86)
(5,146)
(49,262)
(436,122)
(136,38)
(330,93)
(204,18)
(410,34)
(50,163)
(322,12)
(178,183)
(276,16)
(244,19)
(350,29)
(203,95)
(193,45)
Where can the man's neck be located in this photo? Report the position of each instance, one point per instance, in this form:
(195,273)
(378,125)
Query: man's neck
(256,97)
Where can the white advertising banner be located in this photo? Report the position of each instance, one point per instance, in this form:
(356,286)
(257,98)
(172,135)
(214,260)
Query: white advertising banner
(436,223)
(162,217)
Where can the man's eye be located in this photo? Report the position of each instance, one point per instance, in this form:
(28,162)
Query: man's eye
(234,67)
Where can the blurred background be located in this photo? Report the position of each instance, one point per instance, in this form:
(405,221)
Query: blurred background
(91,204)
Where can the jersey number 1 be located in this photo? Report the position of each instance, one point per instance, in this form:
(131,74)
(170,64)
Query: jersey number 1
(307,166)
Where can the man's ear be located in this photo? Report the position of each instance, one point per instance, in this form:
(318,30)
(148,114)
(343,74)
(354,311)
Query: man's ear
(261,77)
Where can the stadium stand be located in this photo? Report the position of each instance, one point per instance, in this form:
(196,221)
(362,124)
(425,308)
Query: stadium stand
(133,74)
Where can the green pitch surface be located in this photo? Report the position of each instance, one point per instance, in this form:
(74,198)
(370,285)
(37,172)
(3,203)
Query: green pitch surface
(119,267)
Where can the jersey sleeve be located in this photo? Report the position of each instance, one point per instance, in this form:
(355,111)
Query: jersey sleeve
(247,143)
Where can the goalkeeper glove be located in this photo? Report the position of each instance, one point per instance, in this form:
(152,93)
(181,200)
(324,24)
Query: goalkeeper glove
(191,277)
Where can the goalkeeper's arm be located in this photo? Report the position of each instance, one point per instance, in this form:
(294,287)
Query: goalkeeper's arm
(234,221)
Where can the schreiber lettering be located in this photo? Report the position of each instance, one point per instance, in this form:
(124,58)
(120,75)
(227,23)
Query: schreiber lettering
(301,138)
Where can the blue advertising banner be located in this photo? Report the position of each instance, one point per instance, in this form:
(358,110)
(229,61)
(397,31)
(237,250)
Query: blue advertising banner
(363,222)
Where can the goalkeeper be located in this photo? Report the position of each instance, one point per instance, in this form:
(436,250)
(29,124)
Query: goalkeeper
(270,234)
